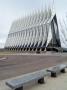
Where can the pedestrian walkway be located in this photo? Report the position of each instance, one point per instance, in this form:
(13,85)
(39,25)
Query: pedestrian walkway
(59,83)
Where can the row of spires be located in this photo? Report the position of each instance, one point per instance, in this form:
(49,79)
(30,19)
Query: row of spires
(35,18)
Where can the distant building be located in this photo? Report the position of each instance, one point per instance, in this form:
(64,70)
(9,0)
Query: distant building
(35,32)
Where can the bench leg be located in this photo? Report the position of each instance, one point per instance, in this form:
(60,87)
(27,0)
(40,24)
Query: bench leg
(63,71)
(41,81)
(53,74)
(20,88)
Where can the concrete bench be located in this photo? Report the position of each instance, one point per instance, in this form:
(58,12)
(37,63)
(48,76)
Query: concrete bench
(55,70)
(17,84)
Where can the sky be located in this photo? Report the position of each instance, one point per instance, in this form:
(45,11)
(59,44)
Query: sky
(11,10)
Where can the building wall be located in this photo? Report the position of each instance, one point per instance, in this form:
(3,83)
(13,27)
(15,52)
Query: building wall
(31,32)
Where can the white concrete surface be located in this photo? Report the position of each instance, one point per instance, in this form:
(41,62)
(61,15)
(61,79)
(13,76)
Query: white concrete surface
(29,53)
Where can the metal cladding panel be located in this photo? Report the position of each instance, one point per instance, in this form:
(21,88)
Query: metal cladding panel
(44,35)
(23,37)
(33,36)
(49,36)
(26,42)
(22,42)
(34,31)
(30,36)
(36,37)
(55,32)
(26,38)
(40,34)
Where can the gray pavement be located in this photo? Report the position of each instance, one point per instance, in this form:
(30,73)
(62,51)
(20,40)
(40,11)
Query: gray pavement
(59,83)
(14,65)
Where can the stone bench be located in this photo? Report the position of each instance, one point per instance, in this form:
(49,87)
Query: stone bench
(55,70)
(17,84)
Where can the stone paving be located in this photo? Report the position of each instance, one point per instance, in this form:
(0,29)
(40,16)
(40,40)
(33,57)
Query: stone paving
(59,83)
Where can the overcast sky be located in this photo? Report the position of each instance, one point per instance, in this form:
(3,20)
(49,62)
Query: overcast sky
(14,9)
